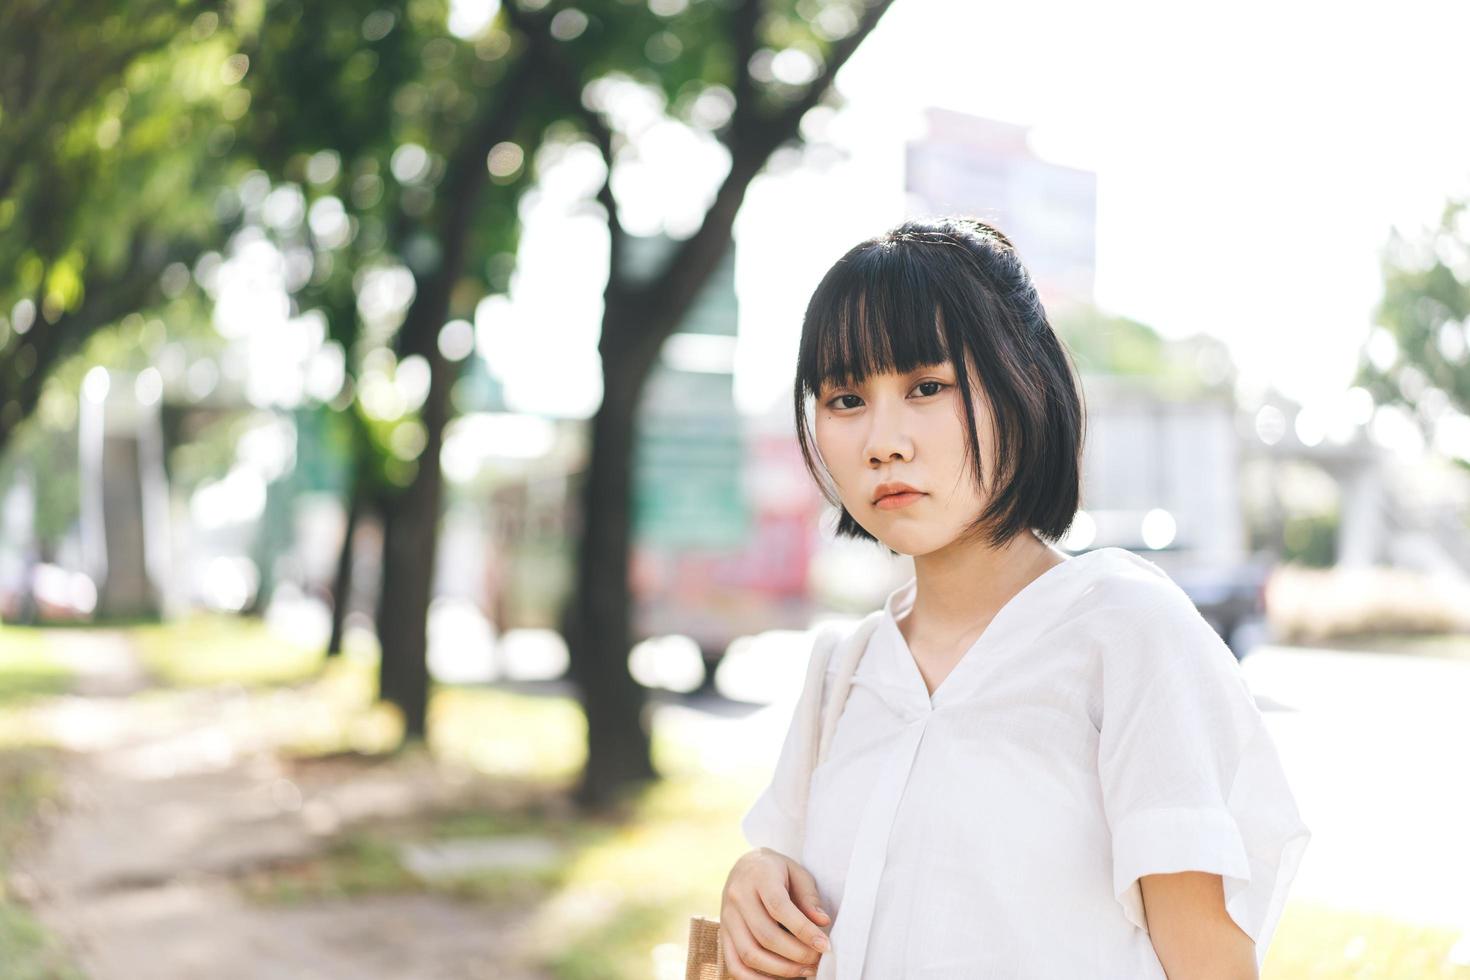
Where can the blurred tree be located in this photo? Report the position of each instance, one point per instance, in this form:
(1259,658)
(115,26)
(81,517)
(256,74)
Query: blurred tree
(1418,354)
(409,142)
(432,190)
(113,127)
(746,72)
(1108,344)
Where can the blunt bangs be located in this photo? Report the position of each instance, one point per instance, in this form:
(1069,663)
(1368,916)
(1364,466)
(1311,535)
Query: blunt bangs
(874,313)
(954,291)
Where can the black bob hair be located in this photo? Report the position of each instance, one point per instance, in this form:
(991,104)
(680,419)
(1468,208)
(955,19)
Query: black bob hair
(907,299)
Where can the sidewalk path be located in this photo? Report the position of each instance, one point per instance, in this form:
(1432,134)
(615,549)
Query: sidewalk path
(168,797)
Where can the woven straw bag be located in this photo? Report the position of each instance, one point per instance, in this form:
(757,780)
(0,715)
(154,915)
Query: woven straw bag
(706,957)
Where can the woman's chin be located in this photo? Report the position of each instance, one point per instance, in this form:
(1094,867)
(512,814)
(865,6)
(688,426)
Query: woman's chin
(910,544)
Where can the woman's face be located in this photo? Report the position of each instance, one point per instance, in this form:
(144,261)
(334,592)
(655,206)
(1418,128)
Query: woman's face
(908,429)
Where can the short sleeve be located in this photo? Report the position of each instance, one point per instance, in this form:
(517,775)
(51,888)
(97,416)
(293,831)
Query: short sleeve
(777,818)
(1191,779)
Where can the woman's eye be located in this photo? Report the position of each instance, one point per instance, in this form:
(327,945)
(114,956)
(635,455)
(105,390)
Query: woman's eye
(925,388)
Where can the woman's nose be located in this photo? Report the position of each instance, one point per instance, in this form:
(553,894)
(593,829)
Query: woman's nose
(887,439)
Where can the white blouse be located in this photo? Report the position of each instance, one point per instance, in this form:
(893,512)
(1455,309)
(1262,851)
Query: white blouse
(1098,730)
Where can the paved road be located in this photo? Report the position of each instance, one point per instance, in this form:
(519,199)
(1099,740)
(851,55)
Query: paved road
(1378,749)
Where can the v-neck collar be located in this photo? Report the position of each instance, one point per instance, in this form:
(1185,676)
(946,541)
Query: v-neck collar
(1005,620)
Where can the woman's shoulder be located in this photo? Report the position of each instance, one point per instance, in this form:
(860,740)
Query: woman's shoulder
(1131,604)
(1120,582)
(1135,615)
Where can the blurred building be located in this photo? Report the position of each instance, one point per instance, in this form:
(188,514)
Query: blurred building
(124,493)
(1377,504)
(724,519)
(1159,472)
(984,168)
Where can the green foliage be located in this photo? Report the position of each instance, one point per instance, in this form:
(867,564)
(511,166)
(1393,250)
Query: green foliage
(1310,539)
(367,112)
(1106,344)
(116,126)
(1425,310)
(107,112)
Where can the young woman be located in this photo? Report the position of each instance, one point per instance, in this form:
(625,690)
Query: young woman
(1045,766)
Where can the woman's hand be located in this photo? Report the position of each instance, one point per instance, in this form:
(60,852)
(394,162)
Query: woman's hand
(769,918)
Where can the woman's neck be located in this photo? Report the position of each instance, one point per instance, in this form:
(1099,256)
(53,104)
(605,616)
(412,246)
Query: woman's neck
(959,588)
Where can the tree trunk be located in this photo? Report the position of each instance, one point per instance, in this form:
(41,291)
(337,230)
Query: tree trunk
(342,584)
(618,729)
(410,543)
(403,676)
(411,518)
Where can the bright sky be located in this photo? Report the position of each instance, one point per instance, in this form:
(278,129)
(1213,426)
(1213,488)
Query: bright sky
(1250,159)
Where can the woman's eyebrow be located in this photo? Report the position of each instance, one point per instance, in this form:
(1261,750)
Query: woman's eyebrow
(852,382)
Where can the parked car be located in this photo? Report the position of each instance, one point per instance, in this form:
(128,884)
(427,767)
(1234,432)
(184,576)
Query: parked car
(1231,598)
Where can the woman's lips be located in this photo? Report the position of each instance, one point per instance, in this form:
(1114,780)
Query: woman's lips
(896,500)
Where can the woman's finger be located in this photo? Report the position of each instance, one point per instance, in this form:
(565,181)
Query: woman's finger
(801,929)
(804,893)
(733,964)
(753,955)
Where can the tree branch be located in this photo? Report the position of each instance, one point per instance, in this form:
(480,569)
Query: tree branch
(106,299)
(672,293)
(744,25)
(568,81)
(465,176)
(786,124)
(37,105)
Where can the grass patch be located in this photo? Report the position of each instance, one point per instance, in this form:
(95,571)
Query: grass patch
(619,947)
(207,649)
(27,780)
(623,888)
(31,953)
(501,733)
(664,864)
(1316,942)
(1451,645)
(22,727)
(28,667)
(27,783)
(368,863)
(361,864)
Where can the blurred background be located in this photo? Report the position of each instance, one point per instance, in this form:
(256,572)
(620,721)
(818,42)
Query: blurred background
(406,564)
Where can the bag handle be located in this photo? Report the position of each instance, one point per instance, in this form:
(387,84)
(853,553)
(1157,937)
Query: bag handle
(706,958)
(849,651)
